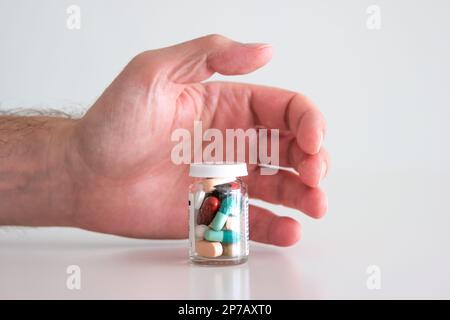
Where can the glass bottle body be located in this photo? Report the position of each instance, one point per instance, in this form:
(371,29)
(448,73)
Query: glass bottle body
(218,221)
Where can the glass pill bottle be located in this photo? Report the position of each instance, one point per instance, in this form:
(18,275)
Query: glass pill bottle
(218,214)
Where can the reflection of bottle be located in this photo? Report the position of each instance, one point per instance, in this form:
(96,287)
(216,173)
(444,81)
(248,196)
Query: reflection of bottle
(218,213)
(219,283)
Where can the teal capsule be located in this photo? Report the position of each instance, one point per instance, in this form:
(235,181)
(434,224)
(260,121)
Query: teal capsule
(226,236)
(227,205)
(219,221)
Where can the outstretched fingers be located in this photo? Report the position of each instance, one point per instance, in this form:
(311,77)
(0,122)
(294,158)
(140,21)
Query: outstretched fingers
(267,227)
(311,168)
(285,188)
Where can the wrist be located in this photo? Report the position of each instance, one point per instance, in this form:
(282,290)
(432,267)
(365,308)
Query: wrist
(61,185)
(35,183)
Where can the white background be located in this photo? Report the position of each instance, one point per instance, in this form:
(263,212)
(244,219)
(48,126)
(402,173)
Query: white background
(385,94)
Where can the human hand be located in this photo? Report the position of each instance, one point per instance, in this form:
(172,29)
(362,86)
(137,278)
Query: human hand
(118,155)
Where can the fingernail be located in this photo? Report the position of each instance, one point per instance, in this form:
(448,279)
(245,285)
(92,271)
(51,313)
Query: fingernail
(319,145)
(257,45)
(323,170)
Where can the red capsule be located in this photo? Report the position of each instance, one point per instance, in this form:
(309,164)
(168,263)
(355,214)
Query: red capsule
(235,186)
(227,187)
(208,210)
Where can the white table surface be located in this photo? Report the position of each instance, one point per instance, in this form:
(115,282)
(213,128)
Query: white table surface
(397,221)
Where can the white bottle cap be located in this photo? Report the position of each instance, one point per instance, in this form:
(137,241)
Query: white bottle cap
(218,170)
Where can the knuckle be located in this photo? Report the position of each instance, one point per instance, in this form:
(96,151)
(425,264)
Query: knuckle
(140,57)
(304,99)
(310,106)
(215,39)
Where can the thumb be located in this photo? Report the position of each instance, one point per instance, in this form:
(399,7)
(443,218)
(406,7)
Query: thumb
(199,59)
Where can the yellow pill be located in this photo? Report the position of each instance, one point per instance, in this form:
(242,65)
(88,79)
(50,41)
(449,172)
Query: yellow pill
(233,223)
(231,250)
(208,249)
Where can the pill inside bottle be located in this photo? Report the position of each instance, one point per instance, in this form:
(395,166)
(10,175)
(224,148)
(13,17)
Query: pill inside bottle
(218,214)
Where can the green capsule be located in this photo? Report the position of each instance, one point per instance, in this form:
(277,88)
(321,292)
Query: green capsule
(219,221)
(226,236)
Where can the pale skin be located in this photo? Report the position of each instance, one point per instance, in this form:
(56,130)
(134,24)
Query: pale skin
(111,170)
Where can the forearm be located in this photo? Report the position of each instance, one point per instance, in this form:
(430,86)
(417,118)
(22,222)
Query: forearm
(35,187)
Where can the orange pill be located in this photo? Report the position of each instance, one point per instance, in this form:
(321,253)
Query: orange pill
(208,249)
